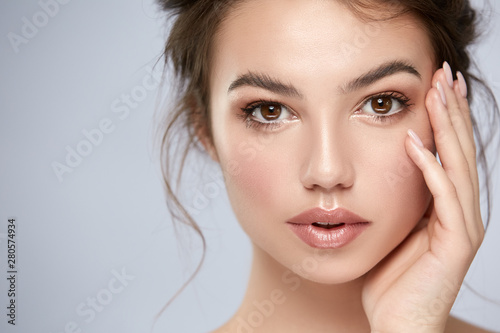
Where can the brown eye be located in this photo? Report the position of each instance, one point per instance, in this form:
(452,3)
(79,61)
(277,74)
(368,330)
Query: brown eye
(382,104)
(270,111)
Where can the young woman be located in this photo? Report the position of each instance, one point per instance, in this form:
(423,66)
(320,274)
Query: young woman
(326,117)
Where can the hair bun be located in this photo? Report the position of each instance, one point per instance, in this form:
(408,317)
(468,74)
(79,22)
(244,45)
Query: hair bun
(175,4)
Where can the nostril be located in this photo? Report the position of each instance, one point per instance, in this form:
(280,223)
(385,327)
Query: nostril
(326,160)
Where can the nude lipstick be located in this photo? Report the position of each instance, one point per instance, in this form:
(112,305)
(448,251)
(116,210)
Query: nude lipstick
(327,229)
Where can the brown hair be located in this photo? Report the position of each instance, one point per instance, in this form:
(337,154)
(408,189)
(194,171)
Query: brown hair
(451,27)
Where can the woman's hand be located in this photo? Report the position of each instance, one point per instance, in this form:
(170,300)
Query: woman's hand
(413,289)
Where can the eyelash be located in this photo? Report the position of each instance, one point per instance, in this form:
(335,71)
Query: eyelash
(252,123)
(402,99)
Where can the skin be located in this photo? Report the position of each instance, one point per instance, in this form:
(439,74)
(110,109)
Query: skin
(403,272)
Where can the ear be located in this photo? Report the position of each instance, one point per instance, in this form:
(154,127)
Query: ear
(204,136)
(200,123)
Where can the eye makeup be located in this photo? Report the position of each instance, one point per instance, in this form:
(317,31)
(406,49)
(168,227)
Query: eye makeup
(269,115)
(398,104)
(253,115)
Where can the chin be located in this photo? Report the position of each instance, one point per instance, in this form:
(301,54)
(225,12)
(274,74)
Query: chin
(331,271)
(330,276)
(328,267)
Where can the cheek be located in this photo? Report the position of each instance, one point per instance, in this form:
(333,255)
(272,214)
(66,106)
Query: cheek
(400,185)
(255,173)
(394,187)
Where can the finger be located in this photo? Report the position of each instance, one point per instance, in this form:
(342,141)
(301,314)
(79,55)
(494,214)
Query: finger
(450,225)
(459,112)
(454,103)
(461,91)
(460,88)
(455,163)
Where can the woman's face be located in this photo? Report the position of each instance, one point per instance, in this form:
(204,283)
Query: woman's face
(310,107)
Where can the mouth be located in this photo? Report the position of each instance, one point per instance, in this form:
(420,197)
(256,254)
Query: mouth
(327,225)
(325,229)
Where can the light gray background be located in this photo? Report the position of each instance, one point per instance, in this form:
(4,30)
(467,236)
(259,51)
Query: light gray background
(108,215)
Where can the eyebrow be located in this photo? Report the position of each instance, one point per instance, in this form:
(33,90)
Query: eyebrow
(384,70)
(266,82)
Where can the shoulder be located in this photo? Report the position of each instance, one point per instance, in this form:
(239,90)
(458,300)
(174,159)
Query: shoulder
(455,325)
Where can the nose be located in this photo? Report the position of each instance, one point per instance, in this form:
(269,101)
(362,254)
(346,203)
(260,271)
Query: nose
(327,162)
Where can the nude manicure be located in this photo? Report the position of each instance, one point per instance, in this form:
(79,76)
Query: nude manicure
(448,73)
(462,84)
(441,92)
(415,138)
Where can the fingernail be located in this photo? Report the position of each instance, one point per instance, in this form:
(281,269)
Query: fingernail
(448,73)
(415,138)
(441,92)
(462,84)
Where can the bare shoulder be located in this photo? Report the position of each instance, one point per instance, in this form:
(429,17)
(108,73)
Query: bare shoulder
(455,325)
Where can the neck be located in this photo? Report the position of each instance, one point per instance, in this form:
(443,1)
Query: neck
(278,300)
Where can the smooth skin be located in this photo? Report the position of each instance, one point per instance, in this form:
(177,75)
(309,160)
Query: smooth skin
(429,267)
(404,272)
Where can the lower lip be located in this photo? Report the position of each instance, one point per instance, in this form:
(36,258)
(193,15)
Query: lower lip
(322,238)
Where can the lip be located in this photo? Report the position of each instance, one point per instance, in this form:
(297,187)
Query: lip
(322,238)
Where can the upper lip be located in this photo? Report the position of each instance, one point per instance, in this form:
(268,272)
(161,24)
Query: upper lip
(336,216)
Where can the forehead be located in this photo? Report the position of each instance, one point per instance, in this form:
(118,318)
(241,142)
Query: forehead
(320,38)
